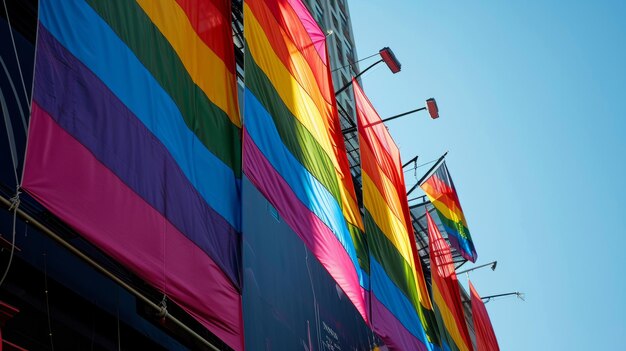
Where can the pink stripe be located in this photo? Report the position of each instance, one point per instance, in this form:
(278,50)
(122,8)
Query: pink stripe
(315,32)
(315,234)
(393,333)
(68,180)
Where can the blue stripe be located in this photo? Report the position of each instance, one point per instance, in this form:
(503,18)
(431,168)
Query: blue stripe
(92,41)
(395,301)
(459,242)
(308,189)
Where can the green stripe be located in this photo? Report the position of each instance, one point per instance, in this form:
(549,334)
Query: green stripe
(400,272)
(385,252)
(360,244)
(429,322)
(443,331)
(208,122)
(464,232)
(294,135)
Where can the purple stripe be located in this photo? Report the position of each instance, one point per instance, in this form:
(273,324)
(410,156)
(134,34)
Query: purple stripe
(393,333)
(66,178)
(82,105)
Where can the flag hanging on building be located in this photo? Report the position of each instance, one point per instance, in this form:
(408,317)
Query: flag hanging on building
(485,336)
(294,151)
(402,313)
(446,294)
(442,194)
(134,141)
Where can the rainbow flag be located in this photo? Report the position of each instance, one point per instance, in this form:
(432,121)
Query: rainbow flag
(294,151)
(446,293)
(402,313)
(442,194)
(134,141)
(485,336)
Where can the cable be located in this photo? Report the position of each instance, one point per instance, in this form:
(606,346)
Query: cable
(45,281)
(352,63)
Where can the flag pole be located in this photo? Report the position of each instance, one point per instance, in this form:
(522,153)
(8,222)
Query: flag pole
(419,182)
(414,159)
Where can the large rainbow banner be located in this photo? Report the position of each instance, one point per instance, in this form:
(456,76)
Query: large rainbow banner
(442,193)
(401,309)
(446,293)
(134,141)
(294,151)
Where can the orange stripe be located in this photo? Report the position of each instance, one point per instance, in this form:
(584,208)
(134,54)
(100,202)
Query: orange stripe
(321,121)
(386,187)
(453,212)
(207,69)
(289,55)
(288,37)
(211,19)
(442,191)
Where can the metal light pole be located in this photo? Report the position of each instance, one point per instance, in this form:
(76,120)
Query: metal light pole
(431,106)
(492,264)
(387,56)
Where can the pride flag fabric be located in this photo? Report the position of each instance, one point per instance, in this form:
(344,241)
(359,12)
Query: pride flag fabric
(446,293)
(294,151)
(485,336)
(442,194)
(401,309)
(134,141)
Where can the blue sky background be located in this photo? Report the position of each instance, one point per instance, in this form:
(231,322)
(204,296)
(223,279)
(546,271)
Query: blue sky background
(532,97)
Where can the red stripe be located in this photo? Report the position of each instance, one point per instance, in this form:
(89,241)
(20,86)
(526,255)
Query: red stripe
(92,200)
(287,16)
(212,21)
(444,193)
(281,24)
(485,336)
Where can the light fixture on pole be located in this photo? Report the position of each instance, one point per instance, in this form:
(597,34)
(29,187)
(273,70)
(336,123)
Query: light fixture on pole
(387,56)
(519,295)
(492,264)
(431,106)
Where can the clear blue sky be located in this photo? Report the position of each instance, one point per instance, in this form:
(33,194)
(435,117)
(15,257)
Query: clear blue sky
(532,97)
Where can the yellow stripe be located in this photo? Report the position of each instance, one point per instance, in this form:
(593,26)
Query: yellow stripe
(315,119)
(393,228)
(299,66)
(455,214)
(349,208)
(448,319)
(206,69)
(291,93)
(447,212)
(388,192)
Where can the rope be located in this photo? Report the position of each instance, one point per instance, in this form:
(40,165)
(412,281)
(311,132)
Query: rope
(15,203)
(17,98)
(17,57)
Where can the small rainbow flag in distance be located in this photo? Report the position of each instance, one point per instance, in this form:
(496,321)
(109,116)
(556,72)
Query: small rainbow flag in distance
(442,194)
